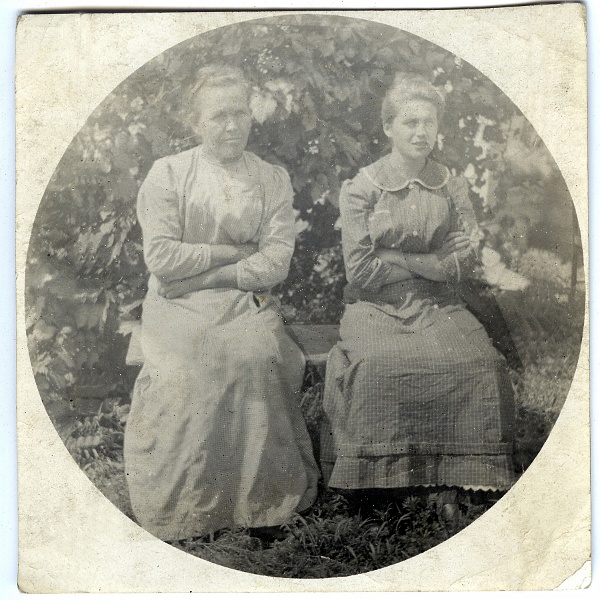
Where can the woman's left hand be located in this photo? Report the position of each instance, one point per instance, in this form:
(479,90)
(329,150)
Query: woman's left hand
(173,289)
(455,241)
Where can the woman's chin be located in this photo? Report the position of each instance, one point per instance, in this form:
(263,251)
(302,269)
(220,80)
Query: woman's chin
(422,150)
(230,154)
(415,152)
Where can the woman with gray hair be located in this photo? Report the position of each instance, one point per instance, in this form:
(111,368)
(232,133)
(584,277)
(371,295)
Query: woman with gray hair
(416,394)
(215,438)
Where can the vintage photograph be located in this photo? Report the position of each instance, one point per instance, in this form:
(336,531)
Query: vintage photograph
(305,295)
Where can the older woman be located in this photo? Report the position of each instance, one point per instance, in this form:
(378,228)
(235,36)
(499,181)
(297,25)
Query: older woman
(416,394)
(215,437)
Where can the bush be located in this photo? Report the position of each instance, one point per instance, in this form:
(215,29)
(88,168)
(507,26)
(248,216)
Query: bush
(318,87)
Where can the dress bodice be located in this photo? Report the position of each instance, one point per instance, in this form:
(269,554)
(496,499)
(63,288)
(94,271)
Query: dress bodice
(382,209)
(413,220)
(189,203)
(221,204)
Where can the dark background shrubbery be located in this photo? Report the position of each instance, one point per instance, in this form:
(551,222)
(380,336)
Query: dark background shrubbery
(319,83)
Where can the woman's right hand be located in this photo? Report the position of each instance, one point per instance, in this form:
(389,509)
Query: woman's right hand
(229,254)
(455,241)
(179,287)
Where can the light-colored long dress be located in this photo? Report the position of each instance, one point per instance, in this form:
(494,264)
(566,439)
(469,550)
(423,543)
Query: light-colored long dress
(215,436)
(415,394)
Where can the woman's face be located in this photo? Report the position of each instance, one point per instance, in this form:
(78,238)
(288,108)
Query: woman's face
(224,121)
(413,131)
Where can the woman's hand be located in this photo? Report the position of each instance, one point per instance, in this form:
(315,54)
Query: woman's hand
(395,258)
(176,289)
(455,241)
(220,277)
(428,266)
(229,254)
(247,250)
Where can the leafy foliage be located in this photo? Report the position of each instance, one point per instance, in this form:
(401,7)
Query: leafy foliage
(318,87)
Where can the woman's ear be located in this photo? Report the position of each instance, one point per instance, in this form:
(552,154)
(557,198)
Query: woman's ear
(197,129)
(195,119)
(387,128)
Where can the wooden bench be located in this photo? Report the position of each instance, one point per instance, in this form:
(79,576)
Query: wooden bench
(315,341)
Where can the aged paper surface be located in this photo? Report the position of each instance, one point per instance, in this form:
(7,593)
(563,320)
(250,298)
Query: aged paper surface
(72,539)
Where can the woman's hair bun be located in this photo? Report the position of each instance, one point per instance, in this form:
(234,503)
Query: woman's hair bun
(408,86)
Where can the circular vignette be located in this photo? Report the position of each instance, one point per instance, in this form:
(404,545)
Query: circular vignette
(318,83)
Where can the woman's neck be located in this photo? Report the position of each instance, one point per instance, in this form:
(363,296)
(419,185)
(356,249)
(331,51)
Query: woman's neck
(221,162)
(409,167)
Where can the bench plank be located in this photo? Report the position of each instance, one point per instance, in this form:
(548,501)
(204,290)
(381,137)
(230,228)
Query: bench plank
(314,340)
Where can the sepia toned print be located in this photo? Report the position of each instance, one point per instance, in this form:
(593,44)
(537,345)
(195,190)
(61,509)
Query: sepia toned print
(107,293)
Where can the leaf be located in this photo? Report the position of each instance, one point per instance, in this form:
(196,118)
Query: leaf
(496,273)
(103,161)
(42,332)
(127,327)
(129,307)
(262,106)
(326,47)
(126,188)
(92,315)
(309,114)
(158,138)
(34,311)
(350,146)
(63,419)
(319,187)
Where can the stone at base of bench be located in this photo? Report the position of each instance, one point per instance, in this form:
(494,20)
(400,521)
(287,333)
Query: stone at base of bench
(315,341)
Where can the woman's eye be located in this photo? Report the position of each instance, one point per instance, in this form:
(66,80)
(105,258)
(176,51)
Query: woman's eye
(223,117)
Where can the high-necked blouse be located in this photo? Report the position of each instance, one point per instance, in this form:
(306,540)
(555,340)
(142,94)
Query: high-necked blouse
(189,202)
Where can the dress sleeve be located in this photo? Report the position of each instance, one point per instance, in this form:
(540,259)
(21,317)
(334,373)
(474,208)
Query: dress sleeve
(270,265)
(462,265)
(364,270)
(166,255)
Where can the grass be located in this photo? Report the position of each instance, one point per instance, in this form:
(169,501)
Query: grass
(339,536)
(331,540)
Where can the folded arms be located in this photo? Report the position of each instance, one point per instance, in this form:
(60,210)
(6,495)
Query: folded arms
(182,267)
(369,267)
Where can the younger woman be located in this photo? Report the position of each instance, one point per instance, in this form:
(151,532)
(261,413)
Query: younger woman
(416,394)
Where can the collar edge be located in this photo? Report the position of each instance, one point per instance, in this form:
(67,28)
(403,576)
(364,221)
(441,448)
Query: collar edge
(434,176)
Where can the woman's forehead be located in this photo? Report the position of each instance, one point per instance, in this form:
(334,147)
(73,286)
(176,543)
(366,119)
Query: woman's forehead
(415,106)
(218,96)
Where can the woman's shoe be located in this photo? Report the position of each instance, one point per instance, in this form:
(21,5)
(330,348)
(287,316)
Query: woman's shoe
(448,509)
(449,514)
(268,535)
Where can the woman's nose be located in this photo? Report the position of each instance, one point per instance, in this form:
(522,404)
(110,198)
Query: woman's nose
(421,130)
(231,124)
